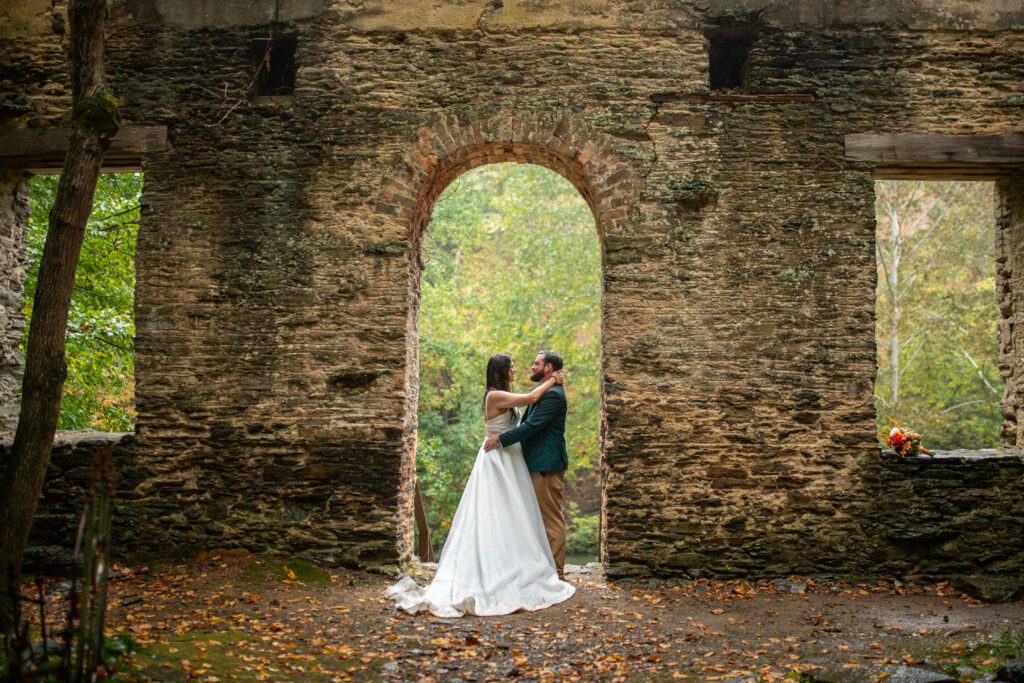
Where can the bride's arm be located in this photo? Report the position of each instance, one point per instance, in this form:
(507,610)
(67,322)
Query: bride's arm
(503,400)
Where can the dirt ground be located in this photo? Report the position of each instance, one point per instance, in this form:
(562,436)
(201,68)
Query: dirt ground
(231,616)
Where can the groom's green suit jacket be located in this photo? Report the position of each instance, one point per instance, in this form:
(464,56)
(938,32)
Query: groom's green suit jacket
(542,433)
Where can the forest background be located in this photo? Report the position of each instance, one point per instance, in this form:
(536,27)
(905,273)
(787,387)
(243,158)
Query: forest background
(513,265)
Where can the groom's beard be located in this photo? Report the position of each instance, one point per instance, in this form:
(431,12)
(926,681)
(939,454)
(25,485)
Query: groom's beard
(537,376)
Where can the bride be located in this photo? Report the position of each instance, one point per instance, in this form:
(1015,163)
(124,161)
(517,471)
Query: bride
(496,559)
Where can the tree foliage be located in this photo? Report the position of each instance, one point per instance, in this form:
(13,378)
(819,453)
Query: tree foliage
(937,316)
(99,392)
(513,265)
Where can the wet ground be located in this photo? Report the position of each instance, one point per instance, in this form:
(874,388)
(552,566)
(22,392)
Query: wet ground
(232,616)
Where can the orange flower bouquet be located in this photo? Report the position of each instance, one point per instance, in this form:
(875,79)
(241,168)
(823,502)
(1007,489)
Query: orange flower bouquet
(904,442)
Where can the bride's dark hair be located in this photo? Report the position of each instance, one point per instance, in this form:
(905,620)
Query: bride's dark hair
(497,375)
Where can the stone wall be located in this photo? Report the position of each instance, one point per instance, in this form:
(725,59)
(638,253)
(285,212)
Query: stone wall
(14,211)
(761,345)
(65,492)
(278,260)
(1009,270)
(954,515)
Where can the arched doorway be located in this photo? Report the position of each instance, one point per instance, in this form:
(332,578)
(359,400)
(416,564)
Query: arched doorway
(512,264)
(443,151)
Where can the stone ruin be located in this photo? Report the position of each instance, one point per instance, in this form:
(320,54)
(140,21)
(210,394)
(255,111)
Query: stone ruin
(728,149)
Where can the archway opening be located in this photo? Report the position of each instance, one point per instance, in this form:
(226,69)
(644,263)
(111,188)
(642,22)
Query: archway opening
(512,263)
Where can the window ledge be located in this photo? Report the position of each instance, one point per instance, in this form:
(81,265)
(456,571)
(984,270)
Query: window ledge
(961,455)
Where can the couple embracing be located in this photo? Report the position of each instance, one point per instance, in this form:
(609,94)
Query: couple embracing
(505,550)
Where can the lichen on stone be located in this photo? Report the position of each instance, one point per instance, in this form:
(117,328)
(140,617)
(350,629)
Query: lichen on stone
(696,193)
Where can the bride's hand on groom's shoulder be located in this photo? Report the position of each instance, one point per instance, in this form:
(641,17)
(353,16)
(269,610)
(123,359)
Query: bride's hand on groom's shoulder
(559,377)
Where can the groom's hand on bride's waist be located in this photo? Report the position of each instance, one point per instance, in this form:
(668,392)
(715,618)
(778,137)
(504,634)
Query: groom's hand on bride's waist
(491,443)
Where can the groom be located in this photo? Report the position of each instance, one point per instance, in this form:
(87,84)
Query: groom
(542,434)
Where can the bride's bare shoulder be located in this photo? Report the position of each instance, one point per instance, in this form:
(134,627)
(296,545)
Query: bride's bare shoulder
(497,396)
(496,403)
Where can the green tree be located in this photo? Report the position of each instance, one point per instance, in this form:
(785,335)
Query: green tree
(513,265)
(937,316)
(99,392)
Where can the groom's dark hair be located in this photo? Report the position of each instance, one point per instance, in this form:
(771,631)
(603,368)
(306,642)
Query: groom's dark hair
(553,358)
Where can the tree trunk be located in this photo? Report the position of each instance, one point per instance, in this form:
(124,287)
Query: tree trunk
(894,328)
(93,121)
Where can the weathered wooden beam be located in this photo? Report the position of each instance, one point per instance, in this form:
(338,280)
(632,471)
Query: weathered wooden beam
(921,155)
(42,150)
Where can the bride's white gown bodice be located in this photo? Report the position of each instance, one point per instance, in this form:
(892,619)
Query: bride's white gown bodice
(496,559)
(501,423)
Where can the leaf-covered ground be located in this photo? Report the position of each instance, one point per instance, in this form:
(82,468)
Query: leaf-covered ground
(231,616)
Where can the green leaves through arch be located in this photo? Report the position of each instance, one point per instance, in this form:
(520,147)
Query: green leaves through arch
(513,264)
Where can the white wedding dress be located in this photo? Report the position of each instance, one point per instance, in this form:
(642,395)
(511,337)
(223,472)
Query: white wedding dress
(496,559)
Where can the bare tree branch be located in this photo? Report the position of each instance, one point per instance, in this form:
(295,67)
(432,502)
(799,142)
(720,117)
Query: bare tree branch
(981,374)
(961,405)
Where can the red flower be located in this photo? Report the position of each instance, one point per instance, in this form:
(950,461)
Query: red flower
(903,441)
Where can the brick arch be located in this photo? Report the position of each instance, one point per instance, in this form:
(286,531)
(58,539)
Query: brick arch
(450,146)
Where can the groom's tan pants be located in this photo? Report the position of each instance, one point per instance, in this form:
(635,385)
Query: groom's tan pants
(548,487)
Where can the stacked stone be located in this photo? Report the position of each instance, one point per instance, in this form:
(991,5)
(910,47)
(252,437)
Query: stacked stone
(14,211)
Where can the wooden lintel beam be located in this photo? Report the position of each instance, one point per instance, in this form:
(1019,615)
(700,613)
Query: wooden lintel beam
(43,149)
(932,155)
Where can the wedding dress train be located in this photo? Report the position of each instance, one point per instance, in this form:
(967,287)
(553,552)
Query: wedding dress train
(496,559)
